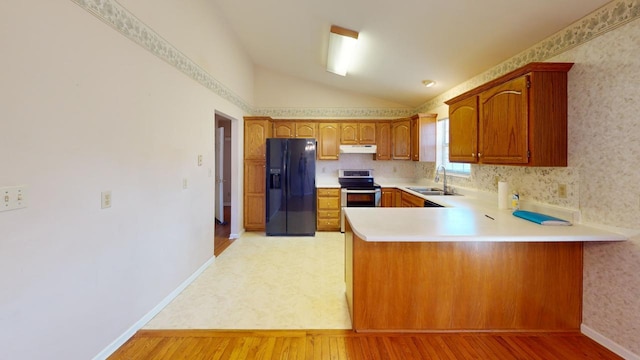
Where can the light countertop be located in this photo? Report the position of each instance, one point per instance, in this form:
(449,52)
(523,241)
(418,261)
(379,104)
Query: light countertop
(327,182)
(464,218)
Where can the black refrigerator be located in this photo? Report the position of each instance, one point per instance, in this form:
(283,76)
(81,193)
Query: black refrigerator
(291,187)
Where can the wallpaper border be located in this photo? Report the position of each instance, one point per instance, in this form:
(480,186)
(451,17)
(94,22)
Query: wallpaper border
(603,20)
(119,18)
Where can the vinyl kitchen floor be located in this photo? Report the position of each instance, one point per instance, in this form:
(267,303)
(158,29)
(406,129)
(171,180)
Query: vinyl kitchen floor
(262,282)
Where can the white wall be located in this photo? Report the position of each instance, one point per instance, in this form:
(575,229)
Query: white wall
(198,30)
(83,109)
(275,90)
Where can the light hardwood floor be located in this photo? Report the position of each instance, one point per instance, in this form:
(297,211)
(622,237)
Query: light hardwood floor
(340,344)
(221,238)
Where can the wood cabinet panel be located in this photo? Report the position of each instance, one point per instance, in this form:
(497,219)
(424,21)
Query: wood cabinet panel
(305,129)
(387,199)
(328,192)
(254,195)
(401,140)
(329,202)
(383,141)
(507,286)
(294,129)
(423,137)
(349,133)
(358,133)
(328,212)
(256,133)
(328,141)
(463,131)
(367,133)
(521,119)
(503,127)
(410,200)
(284,129)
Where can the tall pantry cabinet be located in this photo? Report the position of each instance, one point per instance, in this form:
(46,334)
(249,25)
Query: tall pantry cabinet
(256,132)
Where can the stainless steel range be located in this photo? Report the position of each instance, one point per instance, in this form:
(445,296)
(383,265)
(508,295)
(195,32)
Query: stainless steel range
(357,190)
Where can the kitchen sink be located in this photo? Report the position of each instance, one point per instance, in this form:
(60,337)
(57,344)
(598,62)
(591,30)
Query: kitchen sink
(430,191)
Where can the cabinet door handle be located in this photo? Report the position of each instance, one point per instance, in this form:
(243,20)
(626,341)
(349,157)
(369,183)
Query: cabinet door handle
(473,155)
(479,154)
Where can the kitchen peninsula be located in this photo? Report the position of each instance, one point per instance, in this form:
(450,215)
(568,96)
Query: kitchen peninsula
(455,268)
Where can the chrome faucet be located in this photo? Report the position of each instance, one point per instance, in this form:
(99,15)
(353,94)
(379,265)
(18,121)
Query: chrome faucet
(444,180)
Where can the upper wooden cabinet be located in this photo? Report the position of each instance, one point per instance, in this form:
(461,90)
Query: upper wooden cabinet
(328,141)
(256,132)
(294,129)
(517,119)
(423,137)
(284,129)
(463,131)
(360,133)
(401,140)
(306,129)
(367,133)
(503,126)
(348,133)
(383,141)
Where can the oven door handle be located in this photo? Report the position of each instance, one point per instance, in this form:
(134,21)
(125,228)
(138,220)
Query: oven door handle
(362,191)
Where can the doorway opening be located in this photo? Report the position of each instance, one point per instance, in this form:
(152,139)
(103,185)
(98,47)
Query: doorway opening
(223,183)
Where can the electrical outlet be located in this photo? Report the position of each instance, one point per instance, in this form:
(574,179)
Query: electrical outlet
(562,191)
(185,183)
(199,160)
(105,201)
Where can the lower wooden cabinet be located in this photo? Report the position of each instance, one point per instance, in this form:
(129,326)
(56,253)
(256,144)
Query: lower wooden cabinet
(388,197)
(328,209)
(410,200)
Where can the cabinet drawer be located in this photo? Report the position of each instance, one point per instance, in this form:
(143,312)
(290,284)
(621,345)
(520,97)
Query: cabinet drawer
(328,203)
(328,192)
(329,224)
(328,214)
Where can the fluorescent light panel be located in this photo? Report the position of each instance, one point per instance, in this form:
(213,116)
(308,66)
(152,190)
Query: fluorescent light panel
(342,44)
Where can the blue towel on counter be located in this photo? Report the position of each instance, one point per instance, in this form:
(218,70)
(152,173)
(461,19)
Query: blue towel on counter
(541,219)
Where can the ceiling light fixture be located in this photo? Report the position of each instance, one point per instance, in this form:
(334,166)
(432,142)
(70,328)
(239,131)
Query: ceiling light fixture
(342,44)
(428,83)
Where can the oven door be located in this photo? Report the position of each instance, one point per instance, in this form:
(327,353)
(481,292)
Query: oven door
(358,198)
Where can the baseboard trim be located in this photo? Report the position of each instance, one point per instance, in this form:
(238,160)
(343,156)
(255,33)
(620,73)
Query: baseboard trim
(236,236)
(115,345)
(608,343)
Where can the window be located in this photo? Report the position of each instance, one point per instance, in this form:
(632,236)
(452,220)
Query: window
(442,152)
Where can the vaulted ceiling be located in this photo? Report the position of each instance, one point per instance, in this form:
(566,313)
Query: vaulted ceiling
(401,42)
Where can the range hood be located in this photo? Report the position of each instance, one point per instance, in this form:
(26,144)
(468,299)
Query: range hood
(358,149)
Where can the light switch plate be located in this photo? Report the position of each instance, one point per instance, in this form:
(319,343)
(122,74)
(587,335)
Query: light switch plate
(13,197)
(199,160)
